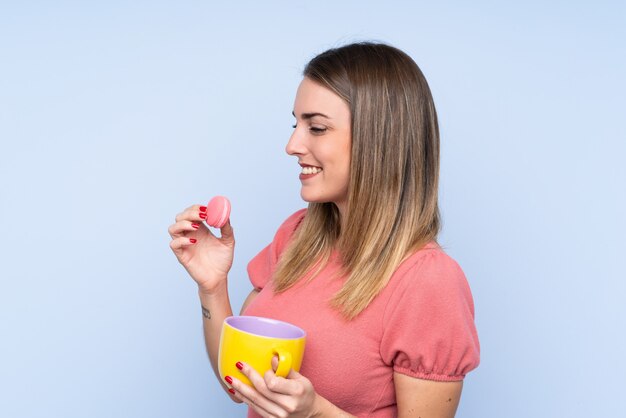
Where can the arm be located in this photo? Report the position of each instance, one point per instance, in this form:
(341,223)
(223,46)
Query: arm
(426,398)
(326,409)
(429,328)
(208,259)
(215,308)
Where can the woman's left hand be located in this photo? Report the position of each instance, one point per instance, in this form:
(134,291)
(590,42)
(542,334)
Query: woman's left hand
(275,396)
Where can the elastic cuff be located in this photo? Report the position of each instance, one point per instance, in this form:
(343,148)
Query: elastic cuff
(429,375)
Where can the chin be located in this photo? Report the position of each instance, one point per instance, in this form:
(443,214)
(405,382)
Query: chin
(312,199)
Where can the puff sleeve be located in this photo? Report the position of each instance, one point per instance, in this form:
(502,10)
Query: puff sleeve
(428,323)
(261,268)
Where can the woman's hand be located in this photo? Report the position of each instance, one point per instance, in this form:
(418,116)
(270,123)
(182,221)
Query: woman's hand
(206,258)
(274,396)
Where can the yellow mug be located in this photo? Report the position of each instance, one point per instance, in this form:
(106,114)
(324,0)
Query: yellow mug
(255,341)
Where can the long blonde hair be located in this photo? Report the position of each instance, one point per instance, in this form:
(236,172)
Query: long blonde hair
(392,206)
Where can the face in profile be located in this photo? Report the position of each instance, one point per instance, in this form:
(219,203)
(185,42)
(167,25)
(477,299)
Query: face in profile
(321,140)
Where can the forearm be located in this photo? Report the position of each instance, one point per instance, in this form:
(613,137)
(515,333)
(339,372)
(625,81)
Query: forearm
(215,308)
(324,408)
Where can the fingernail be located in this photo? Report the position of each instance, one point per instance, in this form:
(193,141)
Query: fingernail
(229,380)
(231,390)
(192,240)
(202,208)
(202,215)
(239,365)
(195,226)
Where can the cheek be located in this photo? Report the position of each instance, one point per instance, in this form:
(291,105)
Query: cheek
(341,164)
(347,160)
(344,173)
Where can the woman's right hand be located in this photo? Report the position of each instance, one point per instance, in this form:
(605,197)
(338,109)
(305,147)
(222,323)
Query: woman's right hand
(206,257)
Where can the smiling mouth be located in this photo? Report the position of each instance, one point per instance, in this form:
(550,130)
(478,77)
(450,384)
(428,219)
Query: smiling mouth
(310,170)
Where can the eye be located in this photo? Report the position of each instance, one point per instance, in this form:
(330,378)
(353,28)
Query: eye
(317,131)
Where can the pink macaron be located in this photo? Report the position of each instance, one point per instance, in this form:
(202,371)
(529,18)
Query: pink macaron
(217,211)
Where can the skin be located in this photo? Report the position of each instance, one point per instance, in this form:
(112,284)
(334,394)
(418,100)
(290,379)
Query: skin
(322,139)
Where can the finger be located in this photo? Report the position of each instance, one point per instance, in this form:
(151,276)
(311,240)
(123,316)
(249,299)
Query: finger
(261,412)
(254,398)
(253,376)
(240,398)
(181,243)
(192,213)
(191,210)
(275,367)
(282,387)
(259,382)
(180,228)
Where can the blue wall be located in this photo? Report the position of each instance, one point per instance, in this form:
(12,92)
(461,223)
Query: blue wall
(115,117)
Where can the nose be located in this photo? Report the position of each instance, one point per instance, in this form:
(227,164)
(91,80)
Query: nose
(295,145)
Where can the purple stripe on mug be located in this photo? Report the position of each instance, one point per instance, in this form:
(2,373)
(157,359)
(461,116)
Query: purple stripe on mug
(265,327)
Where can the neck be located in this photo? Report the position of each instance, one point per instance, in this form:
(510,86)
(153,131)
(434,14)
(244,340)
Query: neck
(342,207)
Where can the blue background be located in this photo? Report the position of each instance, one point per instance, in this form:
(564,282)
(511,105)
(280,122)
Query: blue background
(115,116)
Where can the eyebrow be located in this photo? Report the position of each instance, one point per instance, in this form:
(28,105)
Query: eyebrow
(311,115)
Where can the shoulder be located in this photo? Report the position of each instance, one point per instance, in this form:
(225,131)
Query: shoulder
(292,222)
(263,265)
(430,279)
(288,227)
(429,266)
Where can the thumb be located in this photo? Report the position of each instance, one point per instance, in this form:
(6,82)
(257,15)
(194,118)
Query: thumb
(226,233)
(293,374)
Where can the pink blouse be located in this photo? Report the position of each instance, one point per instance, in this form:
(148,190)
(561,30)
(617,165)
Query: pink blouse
(420,325)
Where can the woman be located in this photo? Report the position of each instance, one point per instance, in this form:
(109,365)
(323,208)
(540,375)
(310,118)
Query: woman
(389,316)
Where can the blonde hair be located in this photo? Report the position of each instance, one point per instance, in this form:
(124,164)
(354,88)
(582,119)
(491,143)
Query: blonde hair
(392,208)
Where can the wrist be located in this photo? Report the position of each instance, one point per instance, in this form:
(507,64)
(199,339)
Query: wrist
(218,290)
(322,407)
(214,303)
(317,407)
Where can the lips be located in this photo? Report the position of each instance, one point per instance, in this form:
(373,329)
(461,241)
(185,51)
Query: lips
(309,171)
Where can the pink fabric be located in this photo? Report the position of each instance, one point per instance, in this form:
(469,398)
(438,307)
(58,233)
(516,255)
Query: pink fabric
(420,325)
